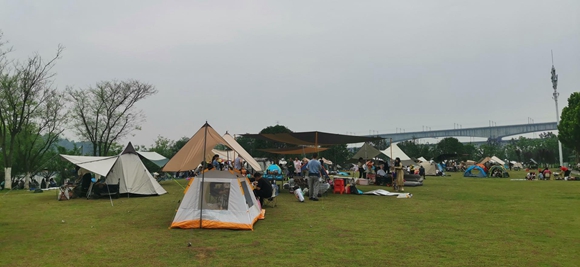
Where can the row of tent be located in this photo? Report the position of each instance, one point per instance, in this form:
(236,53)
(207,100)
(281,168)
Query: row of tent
(474,170)
(217,199)
(480,171)
(393,152)
(368,151)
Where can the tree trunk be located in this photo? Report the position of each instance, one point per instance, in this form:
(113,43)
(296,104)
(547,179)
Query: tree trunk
(27,181)
(8,178)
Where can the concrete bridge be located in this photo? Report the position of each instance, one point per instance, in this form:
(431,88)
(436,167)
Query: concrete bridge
(491,132)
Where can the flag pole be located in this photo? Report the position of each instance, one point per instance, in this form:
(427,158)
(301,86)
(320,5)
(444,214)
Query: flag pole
(203,175)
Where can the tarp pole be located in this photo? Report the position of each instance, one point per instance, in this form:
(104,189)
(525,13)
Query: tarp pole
(316,142)
(108,190)
(391,146)
(202,175)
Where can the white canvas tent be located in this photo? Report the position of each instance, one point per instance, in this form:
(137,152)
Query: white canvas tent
(219,200)
(126,169)
(398,153)
(214,199)
(430,168)
(497,160)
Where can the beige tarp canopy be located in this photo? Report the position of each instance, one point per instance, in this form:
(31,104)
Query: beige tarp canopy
(493,159)
(233,144)
(192,153)
(497,160)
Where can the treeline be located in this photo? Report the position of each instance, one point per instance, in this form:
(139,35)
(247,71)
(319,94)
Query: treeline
(34,112)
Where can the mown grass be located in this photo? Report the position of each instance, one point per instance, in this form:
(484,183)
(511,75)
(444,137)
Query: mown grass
(450,221)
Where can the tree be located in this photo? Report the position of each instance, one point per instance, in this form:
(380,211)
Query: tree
(569,126)
(261,144)
(105,113)
(380,144)
(163,146)
(177,145)
(62,168)
(338,154)
(469,152)
(449,145)
(30,107)
(33,148)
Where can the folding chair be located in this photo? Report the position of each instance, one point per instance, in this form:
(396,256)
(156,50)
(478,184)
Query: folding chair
(65,193)
(273,200)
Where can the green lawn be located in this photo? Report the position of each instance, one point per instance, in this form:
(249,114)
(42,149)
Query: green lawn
(450,221)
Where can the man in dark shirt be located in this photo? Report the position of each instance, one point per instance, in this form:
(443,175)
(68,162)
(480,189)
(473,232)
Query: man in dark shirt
(262,188)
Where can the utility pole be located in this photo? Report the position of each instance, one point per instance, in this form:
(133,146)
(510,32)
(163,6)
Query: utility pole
(555,97)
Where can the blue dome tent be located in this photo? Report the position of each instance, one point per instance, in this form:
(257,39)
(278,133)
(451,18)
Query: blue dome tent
(274,173)
(468,172)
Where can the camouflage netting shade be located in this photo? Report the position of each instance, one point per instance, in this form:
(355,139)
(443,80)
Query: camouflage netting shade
(313,138)
(293,150)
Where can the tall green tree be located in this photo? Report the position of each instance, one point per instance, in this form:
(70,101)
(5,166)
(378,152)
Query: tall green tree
(106,112)
(177,145)
(569,126)
(63,168)
(449,145)
(29,105)
(338,154)
(163,146)
(33,148)
(262,144)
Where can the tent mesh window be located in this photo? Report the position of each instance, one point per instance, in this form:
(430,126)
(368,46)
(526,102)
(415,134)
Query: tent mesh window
(216,195)
(247,194)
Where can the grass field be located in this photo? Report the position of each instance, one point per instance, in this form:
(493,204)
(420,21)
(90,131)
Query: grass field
(450,221)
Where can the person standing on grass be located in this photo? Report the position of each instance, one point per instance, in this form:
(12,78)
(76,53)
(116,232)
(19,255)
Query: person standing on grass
(399,174)
(297,167)
(314,171)
(238,163)
(422,171)
(360,164)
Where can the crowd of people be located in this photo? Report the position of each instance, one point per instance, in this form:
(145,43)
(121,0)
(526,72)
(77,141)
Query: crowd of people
(19,183)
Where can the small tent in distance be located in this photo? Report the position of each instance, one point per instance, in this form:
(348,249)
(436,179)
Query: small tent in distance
(126,169)
(367,151)
(498,171)
(397,152)
(430,168)
(475,171)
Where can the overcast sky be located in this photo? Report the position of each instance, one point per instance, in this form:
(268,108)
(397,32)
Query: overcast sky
(334,66)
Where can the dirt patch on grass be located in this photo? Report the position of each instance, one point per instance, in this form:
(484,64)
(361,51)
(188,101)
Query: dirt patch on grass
(204,254)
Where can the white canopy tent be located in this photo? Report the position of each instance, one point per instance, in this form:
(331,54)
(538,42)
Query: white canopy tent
(422,159)
(398,153)
(497,160)
(126,169)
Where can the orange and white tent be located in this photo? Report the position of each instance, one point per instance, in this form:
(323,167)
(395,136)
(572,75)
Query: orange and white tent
(220,200)
(214,199)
